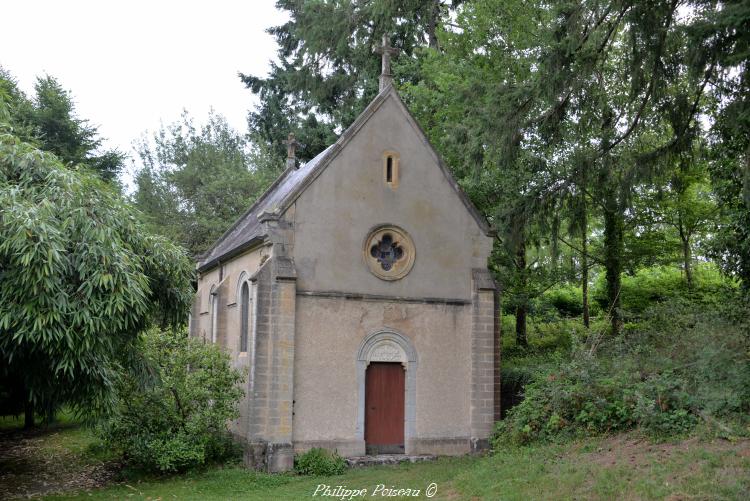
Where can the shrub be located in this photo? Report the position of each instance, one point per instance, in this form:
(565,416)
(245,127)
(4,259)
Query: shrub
(178,419)
(566,299)
(661,283)
(679,365)
(319,462)
(542,336)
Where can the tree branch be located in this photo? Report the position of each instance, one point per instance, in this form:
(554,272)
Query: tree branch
(589,256)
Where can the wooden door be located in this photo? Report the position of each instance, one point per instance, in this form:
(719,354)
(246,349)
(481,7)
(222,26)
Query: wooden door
(384,408)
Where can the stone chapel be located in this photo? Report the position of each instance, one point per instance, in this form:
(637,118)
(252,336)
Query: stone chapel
(356,293)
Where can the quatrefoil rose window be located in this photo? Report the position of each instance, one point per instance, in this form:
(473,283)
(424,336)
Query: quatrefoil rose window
(389,252)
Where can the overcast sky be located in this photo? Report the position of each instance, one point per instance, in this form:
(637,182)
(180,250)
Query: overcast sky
(131,64)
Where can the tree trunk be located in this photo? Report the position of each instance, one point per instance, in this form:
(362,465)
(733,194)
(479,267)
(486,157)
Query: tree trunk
(585,270)
(584,250)
(432,22)
(521,311)
(687,255)
(28,415)
(613,250)
(522,307)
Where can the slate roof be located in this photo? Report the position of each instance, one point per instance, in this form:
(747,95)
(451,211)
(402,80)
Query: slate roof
(247,231)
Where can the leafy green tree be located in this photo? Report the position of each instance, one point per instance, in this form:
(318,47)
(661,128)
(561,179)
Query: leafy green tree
(599,94)
(17,108)
(194,183)
(79,279)
(478,79)
(721,33)
(677,213)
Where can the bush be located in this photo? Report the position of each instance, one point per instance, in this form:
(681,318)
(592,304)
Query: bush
(566,300)
(177,419)
(319,462)
(544,337)
(661,283)
(679,365)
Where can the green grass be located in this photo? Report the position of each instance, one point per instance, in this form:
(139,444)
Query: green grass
(622,467)
(627,466)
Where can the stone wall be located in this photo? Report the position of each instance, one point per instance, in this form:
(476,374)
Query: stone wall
(269,432)
(483,370)
(330,332)
(334,215)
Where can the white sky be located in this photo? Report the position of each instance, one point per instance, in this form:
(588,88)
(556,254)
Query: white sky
(134,64)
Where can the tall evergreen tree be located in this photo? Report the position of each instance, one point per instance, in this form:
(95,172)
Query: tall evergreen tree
(50,121)
(720,34)
(326,73)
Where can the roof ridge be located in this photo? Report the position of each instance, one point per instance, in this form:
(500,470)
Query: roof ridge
(310,170)
(237,221)
(358,124)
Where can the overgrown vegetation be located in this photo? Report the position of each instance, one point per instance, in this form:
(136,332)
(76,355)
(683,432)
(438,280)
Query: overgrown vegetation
(679,364)
(177,419)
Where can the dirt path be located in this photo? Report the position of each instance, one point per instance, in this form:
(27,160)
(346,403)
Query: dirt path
(49,460)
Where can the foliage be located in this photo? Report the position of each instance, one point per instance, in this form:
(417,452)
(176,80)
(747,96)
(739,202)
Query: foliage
(722,31)
(566,300)
(326,72)
(50,121)
(79,279)
(319,462)
(659,283)
(680,365)
(194,183)
(178,420)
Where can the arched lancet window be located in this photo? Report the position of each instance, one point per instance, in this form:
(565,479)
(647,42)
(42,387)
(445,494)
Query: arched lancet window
(390,169)
(244,315)
(214,315)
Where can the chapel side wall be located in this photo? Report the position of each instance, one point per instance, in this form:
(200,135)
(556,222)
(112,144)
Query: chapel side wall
(329,334)
(228,325)
(229,332)
(336,212)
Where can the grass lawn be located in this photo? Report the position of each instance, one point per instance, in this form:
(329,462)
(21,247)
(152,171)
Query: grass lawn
(66,459)
(620,467)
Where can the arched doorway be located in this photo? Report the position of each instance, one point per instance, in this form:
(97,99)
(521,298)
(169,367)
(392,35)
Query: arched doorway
(386,376)
(384,408)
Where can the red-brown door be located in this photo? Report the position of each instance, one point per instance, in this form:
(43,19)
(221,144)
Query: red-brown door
(384,408)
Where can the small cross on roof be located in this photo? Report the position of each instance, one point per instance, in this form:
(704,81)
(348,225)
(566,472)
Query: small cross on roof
(291,146)
(386,51)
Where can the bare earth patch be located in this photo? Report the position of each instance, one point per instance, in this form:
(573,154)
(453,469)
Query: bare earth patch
(622,450)
(37,462)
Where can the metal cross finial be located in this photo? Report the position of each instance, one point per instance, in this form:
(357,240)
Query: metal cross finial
(386,51)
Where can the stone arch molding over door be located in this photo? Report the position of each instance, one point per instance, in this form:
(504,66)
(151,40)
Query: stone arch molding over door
(389,346)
